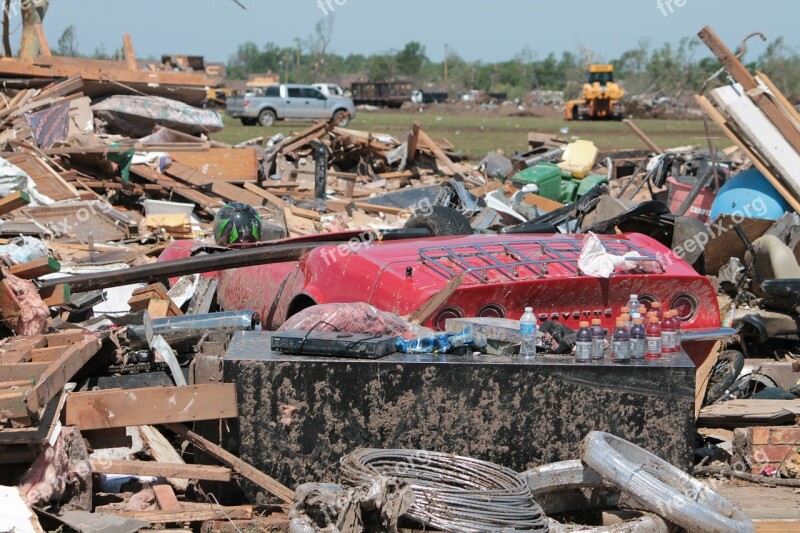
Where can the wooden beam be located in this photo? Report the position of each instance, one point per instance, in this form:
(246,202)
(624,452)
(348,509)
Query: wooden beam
(130,53)
(12,372)
(266,195)
(374,208)
(431,145)
(162,452)
(413,139)
(166,499)
(60,372)
(56,295)
(261,479)
(644,138)
(13,202)
(44,46)
(12,405)
(212,512)
(786,105)
(65,337)
(152,468)
(36,269)
(151,405)
(720,121)
(234,193)
(47,355)
(748,82)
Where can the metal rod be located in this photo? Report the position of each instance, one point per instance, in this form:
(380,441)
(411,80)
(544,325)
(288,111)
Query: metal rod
(262,255)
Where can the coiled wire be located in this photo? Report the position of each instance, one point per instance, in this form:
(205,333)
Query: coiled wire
(453,493)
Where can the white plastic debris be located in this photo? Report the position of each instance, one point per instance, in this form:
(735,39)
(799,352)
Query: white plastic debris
(595,260)
(24,250)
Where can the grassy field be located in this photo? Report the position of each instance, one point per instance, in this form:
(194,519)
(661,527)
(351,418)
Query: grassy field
(476,135)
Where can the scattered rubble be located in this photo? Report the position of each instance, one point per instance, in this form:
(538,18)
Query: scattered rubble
(142,379)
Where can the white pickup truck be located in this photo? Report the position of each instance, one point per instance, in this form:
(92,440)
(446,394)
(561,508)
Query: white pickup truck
(288,101)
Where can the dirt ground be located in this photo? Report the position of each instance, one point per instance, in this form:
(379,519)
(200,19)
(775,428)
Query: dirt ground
(761,502)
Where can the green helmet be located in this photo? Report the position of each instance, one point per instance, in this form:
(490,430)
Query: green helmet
(237,223)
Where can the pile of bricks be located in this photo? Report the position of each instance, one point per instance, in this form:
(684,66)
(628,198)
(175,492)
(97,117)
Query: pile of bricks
(768,449)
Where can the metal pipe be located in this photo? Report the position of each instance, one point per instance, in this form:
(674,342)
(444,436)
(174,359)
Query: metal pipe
(260,255)
(187,330)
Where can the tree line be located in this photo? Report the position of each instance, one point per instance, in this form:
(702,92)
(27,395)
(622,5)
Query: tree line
(670,69)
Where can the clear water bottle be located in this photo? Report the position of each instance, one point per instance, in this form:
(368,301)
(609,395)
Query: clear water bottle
(633,305)
(527,329)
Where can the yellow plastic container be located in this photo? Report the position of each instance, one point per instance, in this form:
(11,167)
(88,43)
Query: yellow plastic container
(579,158)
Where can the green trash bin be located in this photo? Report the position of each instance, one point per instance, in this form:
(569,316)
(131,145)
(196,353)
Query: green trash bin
(546,176)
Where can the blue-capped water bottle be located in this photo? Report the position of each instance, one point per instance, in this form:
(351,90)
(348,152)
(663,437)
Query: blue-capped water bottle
(527,329)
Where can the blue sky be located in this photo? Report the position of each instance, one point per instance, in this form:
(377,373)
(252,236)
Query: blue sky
(475,29)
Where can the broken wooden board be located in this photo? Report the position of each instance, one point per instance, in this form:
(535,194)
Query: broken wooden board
(48,181)
(152,468)
(13,202)
(195,514)
(744,413)
(247,470)
(60,372)
(36,268)
(238,165)
(151,405)
(162,452)
(234,193)
(166,498)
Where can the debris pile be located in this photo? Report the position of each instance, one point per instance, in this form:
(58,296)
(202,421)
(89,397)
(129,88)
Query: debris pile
(124,291)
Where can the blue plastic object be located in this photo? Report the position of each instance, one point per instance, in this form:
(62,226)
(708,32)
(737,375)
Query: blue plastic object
(749,195)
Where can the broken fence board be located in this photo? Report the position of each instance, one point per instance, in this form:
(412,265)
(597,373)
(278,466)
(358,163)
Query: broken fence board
(151,405)
(166,498)
(742,413)
(152,468)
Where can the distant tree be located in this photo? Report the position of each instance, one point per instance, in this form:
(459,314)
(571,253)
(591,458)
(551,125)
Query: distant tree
(381,67)
(411,59)
(68,43)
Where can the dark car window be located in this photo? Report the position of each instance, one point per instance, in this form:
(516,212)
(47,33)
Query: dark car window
(273,91)
(310,92)
(294,92)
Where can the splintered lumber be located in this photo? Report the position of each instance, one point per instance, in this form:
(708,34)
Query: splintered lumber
(56,295)
(184,191)
(762,134)
(151,468)
(60,372)
(162,452)
(36,268)
(436,301)
(751,87)
(17,371)
(304,137)
(130,53)
(743,413)
(151,405)
(154,272)
(14,201)
(266,195)
(222,164)
(234,193)
(644,138)
(785,104)
(194,514)
(413,140)
(245,469)
(166,498)
(12,404)
(441,157)
(760,164)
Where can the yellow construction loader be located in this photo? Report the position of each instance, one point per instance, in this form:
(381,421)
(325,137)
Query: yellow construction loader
(601,97)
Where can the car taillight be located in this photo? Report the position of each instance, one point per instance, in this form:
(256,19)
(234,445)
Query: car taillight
(492,311)
(686,306)
(246,103)
(647,300)
(440,321)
